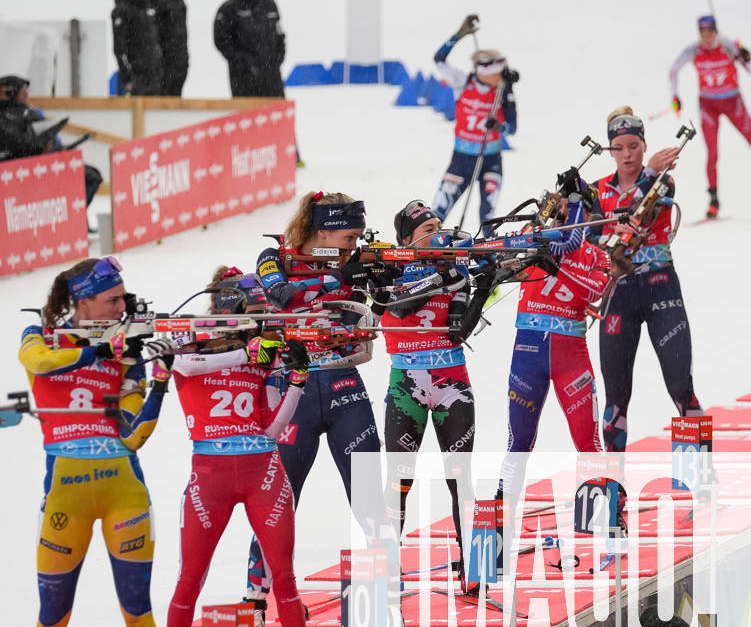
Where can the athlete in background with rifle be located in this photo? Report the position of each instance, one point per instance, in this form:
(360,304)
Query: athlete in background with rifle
(649,290)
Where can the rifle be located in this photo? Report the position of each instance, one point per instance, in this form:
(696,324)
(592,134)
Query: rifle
(11,415)
(645,212)
(547,206)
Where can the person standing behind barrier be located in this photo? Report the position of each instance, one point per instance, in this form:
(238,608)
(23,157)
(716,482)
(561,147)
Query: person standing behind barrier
(135,32)
(476,94)
(92,468)
(171,18)
(18,138)
(249,35)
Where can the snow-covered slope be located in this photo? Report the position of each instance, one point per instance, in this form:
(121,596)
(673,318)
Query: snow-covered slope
(577,63)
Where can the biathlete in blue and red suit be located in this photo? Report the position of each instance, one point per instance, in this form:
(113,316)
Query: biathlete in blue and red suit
(335,401)
(651,293)
(474,100)
(234,413)
(550,342)
(428,372)
(92,468)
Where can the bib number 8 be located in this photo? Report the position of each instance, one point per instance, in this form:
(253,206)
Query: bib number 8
(81,398)
(242,404)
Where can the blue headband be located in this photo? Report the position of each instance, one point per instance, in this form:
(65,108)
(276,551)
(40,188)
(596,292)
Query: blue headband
(103,276)
(340,216)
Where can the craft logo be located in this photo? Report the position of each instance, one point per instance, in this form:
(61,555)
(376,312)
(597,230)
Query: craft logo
(613,324)
(288,435)
(59,521)
(133,544)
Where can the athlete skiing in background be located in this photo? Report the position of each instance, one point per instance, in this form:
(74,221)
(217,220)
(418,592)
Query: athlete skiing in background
(428,375)
(92,468)
(714,57)
(234,413)
(474,100)
(651,293)
(335,402)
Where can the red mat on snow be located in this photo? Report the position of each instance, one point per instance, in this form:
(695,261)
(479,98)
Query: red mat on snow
(745,398)
(727,418)
(732,482)
(730,520)
(721,443)
(439,568)
(465,611)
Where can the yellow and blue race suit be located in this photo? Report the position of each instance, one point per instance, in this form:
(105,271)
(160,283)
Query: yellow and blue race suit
(92,473)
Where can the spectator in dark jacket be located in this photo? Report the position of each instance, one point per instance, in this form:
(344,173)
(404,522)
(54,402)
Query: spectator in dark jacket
(173,38)
(137,46)
(250,37)
(18,138)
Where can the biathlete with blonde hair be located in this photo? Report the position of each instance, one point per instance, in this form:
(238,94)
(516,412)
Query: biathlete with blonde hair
(234,417)
(475,94)
(651,293)
(92,468)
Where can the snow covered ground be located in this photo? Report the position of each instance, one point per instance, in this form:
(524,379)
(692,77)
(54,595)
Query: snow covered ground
(577,62)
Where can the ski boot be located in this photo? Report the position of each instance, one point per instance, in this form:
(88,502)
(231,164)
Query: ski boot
(714,204)
(259,611)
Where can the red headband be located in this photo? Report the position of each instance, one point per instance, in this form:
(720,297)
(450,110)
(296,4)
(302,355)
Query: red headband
(233,271)
(317,196)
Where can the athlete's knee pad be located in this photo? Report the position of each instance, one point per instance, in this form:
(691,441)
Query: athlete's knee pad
(132,582)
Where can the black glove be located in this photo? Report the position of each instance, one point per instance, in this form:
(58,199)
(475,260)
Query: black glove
(570,182)
(294,356)
(492,123)
(509,76)
(456,334)
(546,263)
(744,53)
(354,272)
(469,25)
(382,275)
(134,348)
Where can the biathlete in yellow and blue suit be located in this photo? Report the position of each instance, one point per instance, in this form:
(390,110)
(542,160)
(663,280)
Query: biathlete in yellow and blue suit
(92,468)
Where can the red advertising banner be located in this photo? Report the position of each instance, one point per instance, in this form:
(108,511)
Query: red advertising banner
(44,204)
(202,173)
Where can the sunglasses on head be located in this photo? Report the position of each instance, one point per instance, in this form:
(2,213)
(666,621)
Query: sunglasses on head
(107,266)
(490,62)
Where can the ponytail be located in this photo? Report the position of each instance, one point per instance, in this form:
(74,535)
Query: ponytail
(59,301)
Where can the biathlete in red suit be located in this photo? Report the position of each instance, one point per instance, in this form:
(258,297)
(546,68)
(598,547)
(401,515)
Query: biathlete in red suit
(651,294)
(234,413)
(428,375)
(336,402)
(714,57)
(92,468)
(474,100)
